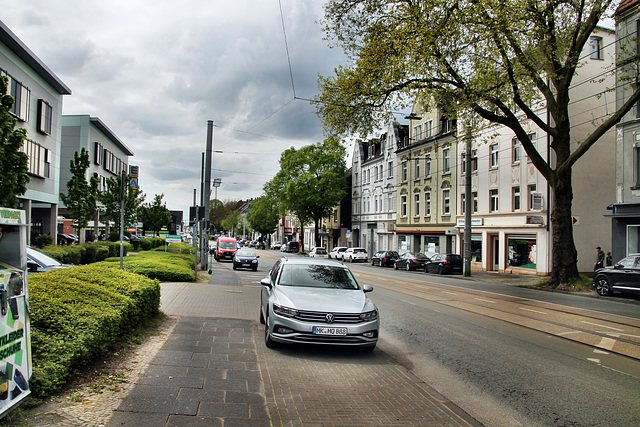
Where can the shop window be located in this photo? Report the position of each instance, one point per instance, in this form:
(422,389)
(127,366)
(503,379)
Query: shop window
(476,248)
(522,251)
(633,239)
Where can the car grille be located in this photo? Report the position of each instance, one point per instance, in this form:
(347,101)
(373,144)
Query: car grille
(321,317)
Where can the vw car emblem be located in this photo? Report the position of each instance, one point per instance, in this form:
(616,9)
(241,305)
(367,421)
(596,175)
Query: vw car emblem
(330,317)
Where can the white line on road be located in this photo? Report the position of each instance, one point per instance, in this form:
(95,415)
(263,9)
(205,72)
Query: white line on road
(601,326)
(533,311)
(408,302)
(450,293)
(485,300)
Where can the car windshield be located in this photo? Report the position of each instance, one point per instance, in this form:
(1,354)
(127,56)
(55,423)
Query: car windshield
(245,252)
(359,250)
(227,245)
(318,276)
(43,258)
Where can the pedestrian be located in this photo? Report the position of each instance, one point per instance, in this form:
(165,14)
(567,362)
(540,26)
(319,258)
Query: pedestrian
(608,259)
(599,259)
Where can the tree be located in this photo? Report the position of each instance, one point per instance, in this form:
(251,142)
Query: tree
(231,221)
(82,195)
(156,214)
(111,200)
(14,163)
(311,181)
(495,59)
(263,215)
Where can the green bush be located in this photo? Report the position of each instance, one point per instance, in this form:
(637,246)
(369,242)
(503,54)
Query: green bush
(43,240)
(78,314)
(166,267)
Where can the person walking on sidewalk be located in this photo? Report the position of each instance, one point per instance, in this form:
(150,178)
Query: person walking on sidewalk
(599,259)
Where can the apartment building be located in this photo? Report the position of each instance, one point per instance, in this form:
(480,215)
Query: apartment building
(38,94)
(511,229)
(426,181)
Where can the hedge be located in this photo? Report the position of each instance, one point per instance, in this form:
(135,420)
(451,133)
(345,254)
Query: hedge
(166,267)
(78,314)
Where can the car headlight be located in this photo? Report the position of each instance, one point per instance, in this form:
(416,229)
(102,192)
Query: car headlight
(255,261)
(369,315)
(284,311)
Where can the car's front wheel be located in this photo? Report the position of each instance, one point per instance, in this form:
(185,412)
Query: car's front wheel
(603,287)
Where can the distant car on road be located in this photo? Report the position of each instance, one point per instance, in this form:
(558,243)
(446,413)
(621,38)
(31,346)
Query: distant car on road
(245,258)
(318,253)
(293,247)
(410,261)
(317,301)
(276,245)
(444,263)
(384,258)
(355,255)
(624,276)
(336,253)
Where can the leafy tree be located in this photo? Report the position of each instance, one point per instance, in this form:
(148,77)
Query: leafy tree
(263,215)
(14,163)
(111,200)
(219,211)
(495,59)
(82,195)
(231,221)
(156,214)
(311,181)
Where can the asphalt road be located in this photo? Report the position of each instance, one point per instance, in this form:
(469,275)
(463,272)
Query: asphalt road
(508,355)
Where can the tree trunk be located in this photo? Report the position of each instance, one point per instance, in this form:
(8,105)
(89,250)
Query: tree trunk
(316,232)
(564,253)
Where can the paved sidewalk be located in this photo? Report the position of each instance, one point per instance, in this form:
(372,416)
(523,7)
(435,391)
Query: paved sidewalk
(214,370)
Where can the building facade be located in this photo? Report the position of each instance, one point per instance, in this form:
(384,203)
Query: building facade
(38,93)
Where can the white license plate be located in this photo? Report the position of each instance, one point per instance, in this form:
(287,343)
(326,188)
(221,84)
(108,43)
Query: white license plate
(246,265)
(319,330)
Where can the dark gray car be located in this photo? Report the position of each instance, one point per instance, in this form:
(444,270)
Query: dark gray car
(623,277)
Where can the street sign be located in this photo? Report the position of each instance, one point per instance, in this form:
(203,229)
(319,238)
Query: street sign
(174,238)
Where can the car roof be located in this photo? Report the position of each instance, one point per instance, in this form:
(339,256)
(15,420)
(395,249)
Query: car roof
(312,261)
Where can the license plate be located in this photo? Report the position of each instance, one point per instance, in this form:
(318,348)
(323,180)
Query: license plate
(319,330)
(246,265)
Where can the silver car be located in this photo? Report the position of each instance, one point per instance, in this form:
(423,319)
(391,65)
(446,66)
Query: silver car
(317,301)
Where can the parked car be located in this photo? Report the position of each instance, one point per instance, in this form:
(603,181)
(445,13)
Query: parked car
(624,276)
(226,248)
(276,245)
(245,258)
(318,253)
(38,261)
(410,261)
(293,247)
(355,255)
(336,253)
(260,245)
(384,258)
(317,301)
(444,263)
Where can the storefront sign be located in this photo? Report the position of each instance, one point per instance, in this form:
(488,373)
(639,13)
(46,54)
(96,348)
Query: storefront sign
(475,222)
(535,219)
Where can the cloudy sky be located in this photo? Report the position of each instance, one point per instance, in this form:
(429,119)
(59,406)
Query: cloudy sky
(156,71)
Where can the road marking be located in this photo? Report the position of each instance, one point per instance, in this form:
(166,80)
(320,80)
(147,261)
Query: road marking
(408,302)
(233,292)
(601,326)
(450,293)
(569,332)
(593,360)
(596,351)
(485,300)
(607,343)
(533,311)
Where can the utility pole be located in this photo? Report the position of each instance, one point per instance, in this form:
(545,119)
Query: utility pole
(468,197)
(122,195)
(207,195)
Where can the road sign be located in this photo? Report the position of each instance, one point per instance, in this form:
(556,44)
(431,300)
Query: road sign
(174,238)
(575,220)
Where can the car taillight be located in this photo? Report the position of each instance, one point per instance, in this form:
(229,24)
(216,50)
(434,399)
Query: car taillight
(415,259)
(446,261)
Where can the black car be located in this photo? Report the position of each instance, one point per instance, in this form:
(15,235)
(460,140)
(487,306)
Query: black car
(245,258)
(384,258)
(444,263)
(410,261)
(624,276)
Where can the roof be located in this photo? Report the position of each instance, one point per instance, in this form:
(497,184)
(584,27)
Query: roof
(112,136)
(23,52)
(626,5)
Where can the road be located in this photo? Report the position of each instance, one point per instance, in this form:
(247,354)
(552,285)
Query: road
(508,355)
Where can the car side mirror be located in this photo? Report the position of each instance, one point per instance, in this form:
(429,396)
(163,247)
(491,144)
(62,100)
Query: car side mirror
(617,266)
(367,288)
(32,267)
(266,282)
(257,256)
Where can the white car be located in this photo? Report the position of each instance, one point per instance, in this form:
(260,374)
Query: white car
(318,253)
(355,255)
(336,253)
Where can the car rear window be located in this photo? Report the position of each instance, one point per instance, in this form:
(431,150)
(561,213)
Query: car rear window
(359,250)
(454,257)
(321,251)
(317,276)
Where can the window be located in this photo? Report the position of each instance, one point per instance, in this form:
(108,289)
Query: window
(404,171)
(446,201)
(375,171)
(427,166)
(39,163)
(474,162)
(636,166)
(463,203)
(515,150)
(390,167)
(335,215)
(45,115)
(428,128)
(417,132)
(403,205)
(516,198)
(446,160)
(427,203)
(596,47)
(475,201)
(493,200)
(416,204)
(417,171)
(21,96)
(532,195)
(493,156)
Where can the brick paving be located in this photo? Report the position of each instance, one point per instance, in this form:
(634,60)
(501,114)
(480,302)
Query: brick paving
(212,369)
